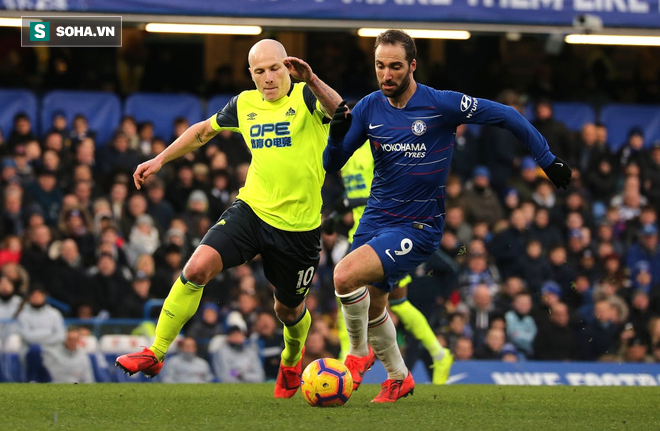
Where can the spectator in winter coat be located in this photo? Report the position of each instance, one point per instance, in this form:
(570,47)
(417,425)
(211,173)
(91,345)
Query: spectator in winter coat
(186,366)
(646,249)
(67,362)
(554,341)
(481,202)
(237,361)
(520,326)
(40,326)
(599,336)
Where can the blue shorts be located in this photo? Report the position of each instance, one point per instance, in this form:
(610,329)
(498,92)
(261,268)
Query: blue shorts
(400,248)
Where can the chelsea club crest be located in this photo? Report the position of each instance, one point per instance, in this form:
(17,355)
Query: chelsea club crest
(418,127)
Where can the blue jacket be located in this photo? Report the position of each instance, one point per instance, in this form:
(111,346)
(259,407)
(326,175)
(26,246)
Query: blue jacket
(637,253)
(521,331)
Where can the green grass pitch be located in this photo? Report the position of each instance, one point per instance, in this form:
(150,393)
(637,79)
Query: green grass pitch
(158,407)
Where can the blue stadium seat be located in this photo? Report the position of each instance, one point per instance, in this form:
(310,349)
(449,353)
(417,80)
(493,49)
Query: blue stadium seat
(2,364)
(162,109)
(103,110)
(112,346)
(620,118)
(12,368)
(151,304)
(216,103)
(573,114)
(60,305)
(14,101)
(90,345)
(101,369)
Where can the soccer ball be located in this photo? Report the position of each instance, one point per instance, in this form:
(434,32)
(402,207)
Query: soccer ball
(326,382)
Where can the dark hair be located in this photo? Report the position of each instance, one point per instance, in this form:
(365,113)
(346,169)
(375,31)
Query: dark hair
(464,338)
(180,120)
(543,101)
(21,116)
(128,118)
(453,316)
(119,134)
(394,37)
(145,124)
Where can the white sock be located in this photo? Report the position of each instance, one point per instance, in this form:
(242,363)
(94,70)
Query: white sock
(382,337)
(441,353)
(355,307)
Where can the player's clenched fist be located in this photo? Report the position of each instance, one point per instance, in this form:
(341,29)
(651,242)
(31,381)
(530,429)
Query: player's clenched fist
(144,170)
(341,121)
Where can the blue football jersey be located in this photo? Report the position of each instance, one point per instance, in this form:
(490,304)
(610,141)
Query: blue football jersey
(413,147)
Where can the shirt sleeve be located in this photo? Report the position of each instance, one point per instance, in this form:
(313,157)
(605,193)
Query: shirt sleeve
(312,103)
(227,117)
(458,108)
(337,152)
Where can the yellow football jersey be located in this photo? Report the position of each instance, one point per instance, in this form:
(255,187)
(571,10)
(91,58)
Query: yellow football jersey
(357,175)
(286,139)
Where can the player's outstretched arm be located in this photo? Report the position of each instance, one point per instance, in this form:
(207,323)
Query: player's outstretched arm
(327,97)
(194,137)
(335,156)
(466,109)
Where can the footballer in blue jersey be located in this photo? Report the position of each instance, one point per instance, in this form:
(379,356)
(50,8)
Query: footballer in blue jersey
(411,128)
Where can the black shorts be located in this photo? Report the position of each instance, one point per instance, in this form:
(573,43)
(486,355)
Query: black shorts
(289,258)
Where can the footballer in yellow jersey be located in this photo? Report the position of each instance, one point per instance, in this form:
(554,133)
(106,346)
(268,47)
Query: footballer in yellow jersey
(285,138)
(277,213)
(357,175)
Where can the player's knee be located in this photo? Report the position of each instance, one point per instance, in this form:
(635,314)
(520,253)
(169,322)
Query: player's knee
(197,271)
(342,279)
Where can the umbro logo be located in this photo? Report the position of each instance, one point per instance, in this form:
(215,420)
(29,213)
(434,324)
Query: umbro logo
(251,116)
(290,112)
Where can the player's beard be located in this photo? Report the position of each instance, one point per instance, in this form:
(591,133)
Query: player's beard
(397,90)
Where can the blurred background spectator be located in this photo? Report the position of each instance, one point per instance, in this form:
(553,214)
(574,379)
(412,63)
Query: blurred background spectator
(237,359)
(185,366)
(68,362)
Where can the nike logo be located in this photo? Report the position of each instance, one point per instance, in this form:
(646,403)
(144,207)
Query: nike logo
(387,252)
(456,378)
(561,165)
(371,126)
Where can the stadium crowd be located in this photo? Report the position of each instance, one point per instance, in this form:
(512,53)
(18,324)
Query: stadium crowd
(524,272)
